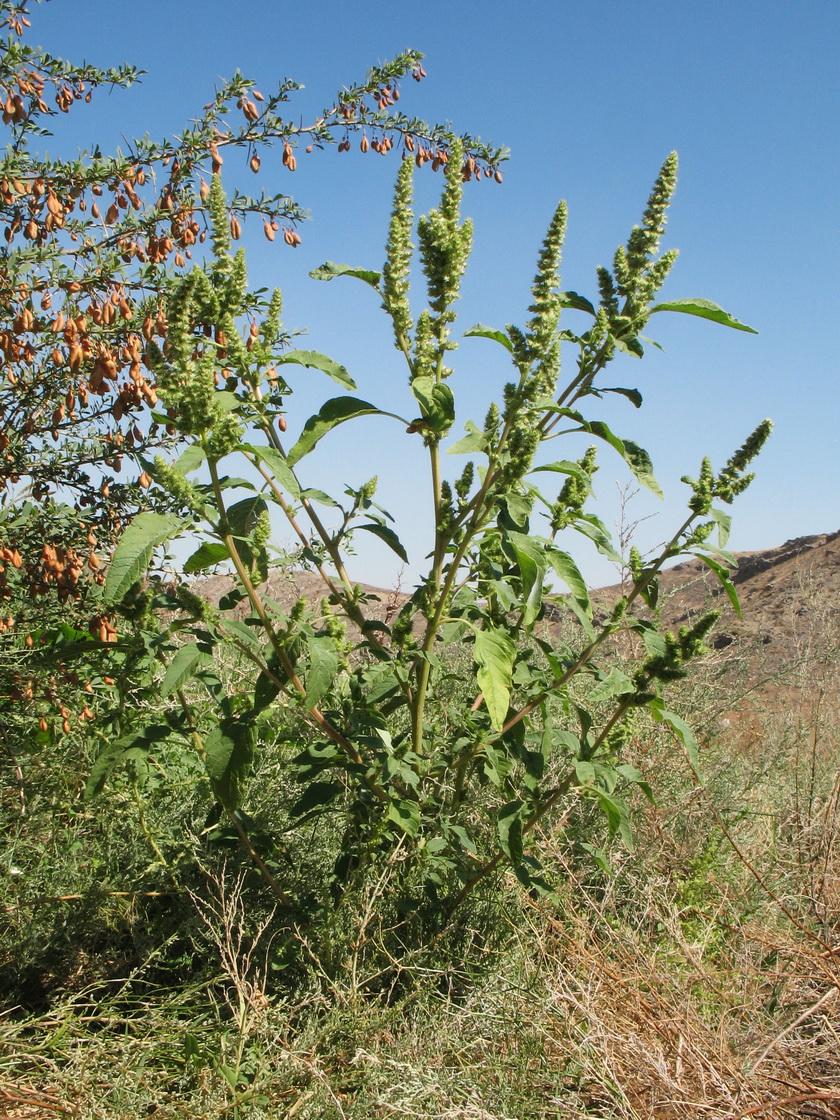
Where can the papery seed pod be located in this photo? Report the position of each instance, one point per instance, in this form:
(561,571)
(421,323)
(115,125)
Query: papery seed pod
(250,110)
(281,423)
(42,724)
(235,229)
(268,231)
(145,480)
(254,163)
(497,176)
(365,143)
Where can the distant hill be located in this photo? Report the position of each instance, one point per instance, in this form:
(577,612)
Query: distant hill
(782,592)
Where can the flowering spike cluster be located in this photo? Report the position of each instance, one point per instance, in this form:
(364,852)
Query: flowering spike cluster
(445,245)
(398,256)
(546,307)
(636,276)
(732,479)
(576,490)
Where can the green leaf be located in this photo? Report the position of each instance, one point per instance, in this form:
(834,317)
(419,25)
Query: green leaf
(265,689)
(724,523)
(228,752)
(210,553)
(323,666)
(317,795)
(495,654)
(576,302)
(590,526)
(475,440)
(681,729)
(277,464)
(329,270)
(631,774)
(636,458)
(480,331)
(437,402)
(509,829)
(185,664)
(388,536)
(134,552)
(705,309)
(127,747)
(530,559)
(313,495)
(633,395)
(405,814)
(313,360)
(565,567)
(618,817)
(615,683)
(628,344)
(190,459)
(333,412)
(725,580)
(243,516)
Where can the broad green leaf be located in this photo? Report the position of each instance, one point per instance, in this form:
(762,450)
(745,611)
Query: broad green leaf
(681,729)
(437,402)
(329,270)
(475,440)
(131,745)
(633,395)
(210,553)
(266,690)
(277,464)
(615,683)
(186,662)
(480,331)
(243,632)
(317,795)
(509,829)
(577,302)
(636,458)
(565,567)
(495,654)
(530,559)
(565,466)
(631,774)
(405,814)
(333,412)
(323,666)
(244,515)
(134,552)
(590,526)
(618,817)
(724,523)
(628,344)
(705,309)
(313,360)
(725,580)
(388,536)
(313,495)
(190,459)
(228,753)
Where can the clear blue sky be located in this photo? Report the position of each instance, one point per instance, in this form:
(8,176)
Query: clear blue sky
(590,97)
